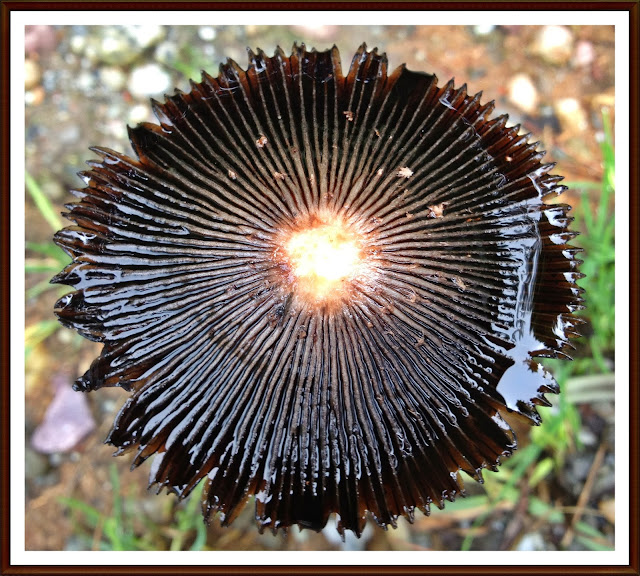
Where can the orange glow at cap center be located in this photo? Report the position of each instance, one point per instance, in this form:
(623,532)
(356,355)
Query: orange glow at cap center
(321,258)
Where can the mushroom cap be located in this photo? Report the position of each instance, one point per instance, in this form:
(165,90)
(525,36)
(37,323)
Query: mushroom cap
(373,394)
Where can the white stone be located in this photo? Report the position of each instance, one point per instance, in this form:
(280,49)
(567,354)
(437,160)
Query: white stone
(85,81)
(571,115)
(115,47)
(531,543)
(30,98)
(167,52)
(140,113)
(31,74)
(78,43)
(554,44)
(584,54)
(112,78)
(483,29)
(149,80)
(112,44)
(523,94)
(147,34)
(207,33)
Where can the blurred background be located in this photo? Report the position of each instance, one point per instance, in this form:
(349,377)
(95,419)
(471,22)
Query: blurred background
(85,84)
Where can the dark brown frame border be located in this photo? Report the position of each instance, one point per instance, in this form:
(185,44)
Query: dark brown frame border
(630,7)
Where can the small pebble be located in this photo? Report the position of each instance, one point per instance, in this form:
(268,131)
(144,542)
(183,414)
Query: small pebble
(584,54)
(207,33)
(35,465)
(64,336)
(167,52)
(483,29)
(75,543)
(56,459)
(85,81)
(139,113)
(587,437)
(319,31)
(523,94)
(34,97)
(39,39)
(66,422)
(608,509)
(115,48)
(78,43)
(146,35)
(53,188)
(575,474)
(49,80)
(554,44)
(112,78)
(571,115)
(68,134)
(115,129)
(531,543)
(149,80)
(605,482)
(32,74)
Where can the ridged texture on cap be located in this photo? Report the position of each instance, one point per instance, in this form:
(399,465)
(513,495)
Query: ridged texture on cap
(373,405)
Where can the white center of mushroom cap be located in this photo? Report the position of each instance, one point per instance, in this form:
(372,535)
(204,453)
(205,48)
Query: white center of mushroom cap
(322,258)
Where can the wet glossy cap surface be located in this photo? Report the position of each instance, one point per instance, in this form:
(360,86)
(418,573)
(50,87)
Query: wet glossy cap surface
(374,396)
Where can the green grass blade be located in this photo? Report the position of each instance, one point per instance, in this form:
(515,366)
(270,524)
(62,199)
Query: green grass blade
(91,514)
(591,537)
(594,545)
(117,530)
(41,267)
(38,289)
(468,503)
(43,203)
(50,250)
(541,509)
(37,333)
(583,184)
(541,471)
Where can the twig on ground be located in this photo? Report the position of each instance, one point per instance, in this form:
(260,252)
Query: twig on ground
(567,539)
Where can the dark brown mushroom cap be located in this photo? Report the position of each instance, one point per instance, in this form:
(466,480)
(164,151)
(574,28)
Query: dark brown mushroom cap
(375,397)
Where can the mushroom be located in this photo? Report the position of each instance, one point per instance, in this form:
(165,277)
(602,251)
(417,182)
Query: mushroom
(301,339)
